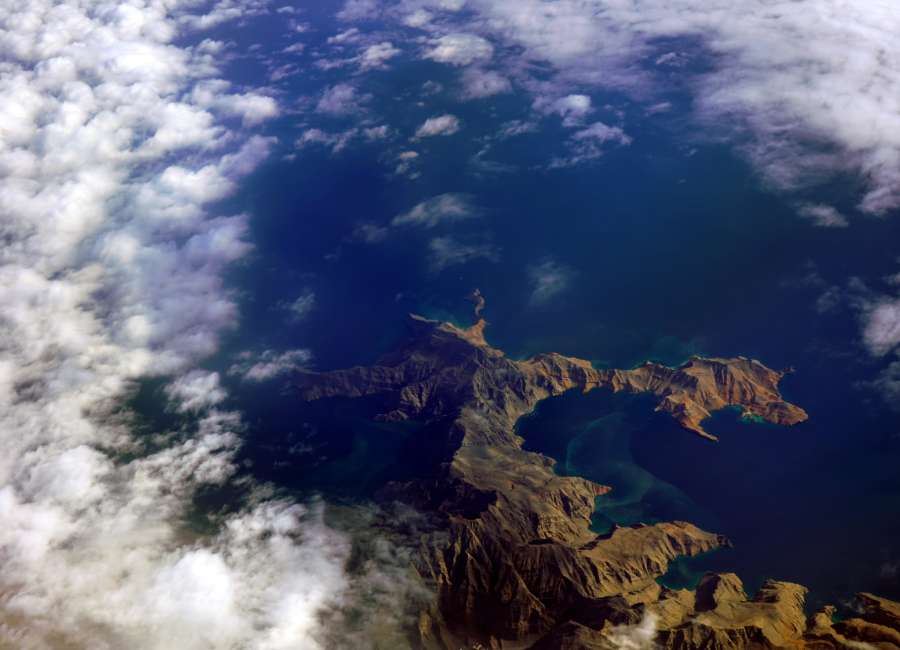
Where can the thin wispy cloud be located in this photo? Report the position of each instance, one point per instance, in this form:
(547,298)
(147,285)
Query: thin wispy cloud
(269,364)
(548,281)
(449,251)
(443,208)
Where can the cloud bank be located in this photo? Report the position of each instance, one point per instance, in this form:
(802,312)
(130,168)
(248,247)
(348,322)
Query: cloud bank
(114,141)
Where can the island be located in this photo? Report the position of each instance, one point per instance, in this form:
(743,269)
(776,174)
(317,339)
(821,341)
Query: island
(516,564)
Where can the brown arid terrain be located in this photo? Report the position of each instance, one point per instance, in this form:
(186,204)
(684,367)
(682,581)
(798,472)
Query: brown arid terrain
(516,565)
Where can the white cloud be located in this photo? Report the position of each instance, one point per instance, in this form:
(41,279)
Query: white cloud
(252,108)
(881,331)
(113,145)
(590,143)
(548,280)
(418,18)
(823,215)
(376,55)
(634,637)
(449,251)
(337,142)
(439,125)
(571,108)
(351,35)
(269,364)
(784,78)
(516,127)
(478,83)
(460,49)
(359,10)
(406,164)
(599,132)
(340,99)
(302,306)
(439,209)
(197,390)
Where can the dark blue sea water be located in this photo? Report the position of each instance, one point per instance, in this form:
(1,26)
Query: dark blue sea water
(673,246)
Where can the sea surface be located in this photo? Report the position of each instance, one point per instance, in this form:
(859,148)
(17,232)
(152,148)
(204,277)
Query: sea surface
(671,246)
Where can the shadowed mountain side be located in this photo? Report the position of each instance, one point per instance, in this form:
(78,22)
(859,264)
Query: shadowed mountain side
(519,561)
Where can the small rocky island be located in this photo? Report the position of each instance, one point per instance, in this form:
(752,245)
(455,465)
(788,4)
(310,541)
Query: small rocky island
(516,565)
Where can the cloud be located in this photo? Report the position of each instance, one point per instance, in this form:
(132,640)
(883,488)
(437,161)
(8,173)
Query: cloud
(252,108)
(548,280)
(443,208)
(478,83)
(515,127)
(269,364)
(116,143)
(359,10)
(301,307)
(340,99)
(337,142)
(634,637)
(571,108)
(440,125)
(197,390)
(376,55)
(449,251)
(881,331)
(406,164)
(460,49)
(370,233)
(823,215)
(351,35)
(340,140)
(778,83)
(887,384)
(588,143)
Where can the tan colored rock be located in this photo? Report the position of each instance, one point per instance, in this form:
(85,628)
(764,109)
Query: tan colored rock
(518,559)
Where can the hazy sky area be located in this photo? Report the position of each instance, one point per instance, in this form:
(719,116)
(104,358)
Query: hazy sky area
(127,127)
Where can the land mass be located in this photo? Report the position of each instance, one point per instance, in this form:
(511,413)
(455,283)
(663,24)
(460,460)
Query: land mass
(516,565)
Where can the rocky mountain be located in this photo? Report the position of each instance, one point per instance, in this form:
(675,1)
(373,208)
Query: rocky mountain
(516,565)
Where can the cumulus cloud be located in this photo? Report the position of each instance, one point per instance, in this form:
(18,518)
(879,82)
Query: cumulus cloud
(881,332)
(443,208)
(376,55)
(340,99)
(634,637)
(779,82)
(406,164)
(337,141)
(197,390)
(478,83)
(449,251)
(591,142)
(571,108)
(252,108)
(114,143)
(460,49)
(548,280)
(439,125)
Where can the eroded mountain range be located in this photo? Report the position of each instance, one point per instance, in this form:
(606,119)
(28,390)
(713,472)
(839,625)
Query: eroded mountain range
(516,565)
